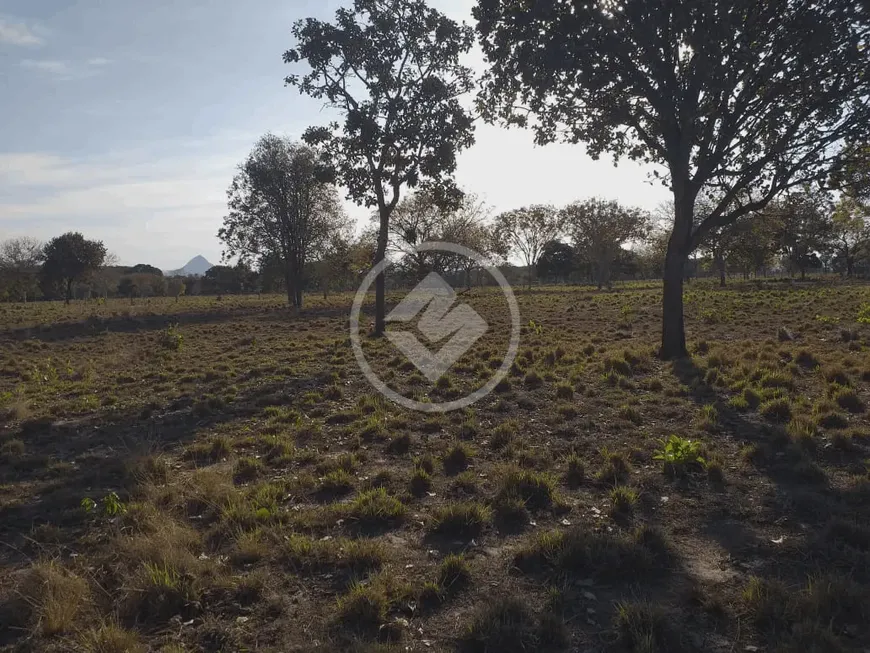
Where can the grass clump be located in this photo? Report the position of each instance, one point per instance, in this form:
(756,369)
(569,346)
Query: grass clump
(534,489)
(462,519)
(457,458)
(776,410)
(644,628)
(846,398)
(615,468)
(363,610)
(622,500)
(49,600)
(581,553)
(375,508)
(336,483)
(575,470)
(507,625)
(453,572)
(110,638)
(247,469)
(421,482)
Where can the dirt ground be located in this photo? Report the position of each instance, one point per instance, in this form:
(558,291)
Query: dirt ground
(217,475)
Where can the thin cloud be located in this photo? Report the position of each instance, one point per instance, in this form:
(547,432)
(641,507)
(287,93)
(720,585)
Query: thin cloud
(52,66)
(99,61)
(14,32)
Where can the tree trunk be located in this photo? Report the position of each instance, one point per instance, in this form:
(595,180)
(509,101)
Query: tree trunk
(290,286)
(381,281)
(849,266)
(673,324)
(720,264)
(68,291)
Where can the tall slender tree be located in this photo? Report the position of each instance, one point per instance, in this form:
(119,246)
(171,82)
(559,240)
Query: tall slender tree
(749,98)
(391,68)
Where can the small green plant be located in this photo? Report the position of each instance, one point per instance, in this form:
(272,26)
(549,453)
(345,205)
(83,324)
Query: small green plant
(679,451)
(171,338)
(829,319)
(110,505)
(535,328)
(864,314)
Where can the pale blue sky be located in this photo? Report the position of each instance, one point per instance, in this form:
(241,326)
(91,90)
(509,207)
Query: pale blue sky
(124,120)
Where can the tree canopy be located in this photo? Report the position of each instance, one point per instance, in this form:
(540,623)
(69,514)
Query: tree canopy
(70,258)
(391,68)
(281,205)
(750,98)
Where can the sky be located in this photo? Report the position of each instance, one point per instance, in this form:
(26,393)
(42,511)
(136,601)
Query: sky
(125,120)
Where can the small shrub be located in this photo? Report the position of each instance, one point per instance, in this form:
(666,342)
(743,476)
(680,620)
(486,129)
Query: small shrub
(426,463)
(615,468)
(679,454)
(171,338)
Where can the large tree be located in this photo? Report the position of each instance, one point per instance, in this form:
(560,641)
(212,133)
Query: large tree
(850,233)
(420,218)
(527,230)
(556,261)
(281,208)
(70,258)
(391,68)
(20,259)
(750,98)
(804,227)
(599,229)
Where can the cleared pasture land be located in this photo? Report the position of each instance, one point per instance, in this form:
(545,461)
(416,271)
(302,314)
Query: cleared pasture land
(217,475)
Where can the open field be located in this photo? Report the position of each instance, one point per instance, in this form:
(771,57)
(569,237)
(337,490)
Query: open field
(217,475)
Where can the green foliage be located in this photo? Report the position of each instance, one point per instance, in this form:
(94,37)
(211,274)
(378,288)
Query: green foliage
(171,338)
(864,314)
(676,450)
(70,258)
(110,505)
